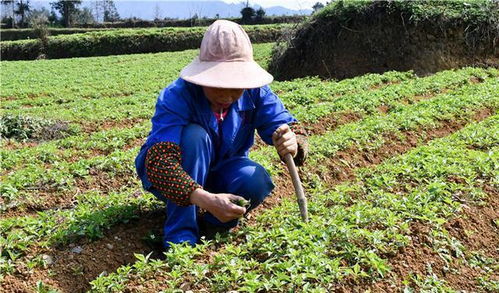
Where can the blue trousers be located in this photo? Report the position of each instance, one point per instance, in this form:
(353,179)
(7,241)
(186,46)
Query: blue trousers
(237,175)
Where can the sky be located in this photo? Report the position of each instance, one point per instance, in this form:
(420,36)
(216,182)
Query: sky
(146,12)
(291,4)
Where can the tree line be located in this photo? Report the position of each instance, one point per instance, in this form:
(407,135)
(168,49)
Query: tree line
(20,13)
(251,16)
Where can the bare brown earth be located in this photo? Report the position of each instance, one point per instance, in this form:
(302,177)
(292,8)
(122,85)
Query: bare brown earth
(75,270)
(94,126)
(72,271)
(476,227)
(355,43)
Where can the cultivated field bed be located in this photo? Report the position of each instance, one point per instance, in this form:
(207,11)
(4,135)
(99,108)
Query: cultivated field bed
(402,181)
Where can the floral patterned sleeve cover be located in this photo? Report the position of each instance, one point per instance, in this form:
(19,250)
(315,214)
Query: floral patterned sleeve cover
(164,170)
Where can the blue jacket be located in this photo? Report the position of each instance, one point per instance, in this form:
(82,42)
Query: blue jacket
(183,103)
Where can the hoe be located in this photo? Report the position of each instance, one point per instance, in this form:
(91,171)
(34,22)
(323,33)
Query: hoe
(302,200)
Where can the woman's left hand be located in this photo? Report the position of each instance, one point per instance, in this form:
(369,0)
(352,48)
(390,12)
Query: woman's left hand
(285,141)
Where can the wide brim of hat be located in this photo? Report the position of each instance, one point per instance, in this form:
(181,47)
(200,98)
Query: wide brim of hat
(240,75)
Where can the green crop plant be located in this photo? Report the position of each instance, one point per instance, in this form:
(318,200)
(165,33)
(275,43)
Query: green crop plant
(364,129)
(340,239)
(355,226)
(241,203)
(136,132)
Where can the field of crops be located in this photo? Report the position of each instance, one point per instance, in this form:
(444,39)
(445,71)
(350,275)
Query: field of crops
(402,183)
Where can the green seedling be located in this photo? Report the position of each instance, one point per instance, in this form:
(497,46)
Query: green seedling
(241,202)
(356,225)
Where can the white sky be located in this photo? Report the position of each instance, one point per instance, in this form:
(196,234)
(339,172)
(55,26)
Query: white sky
(292,4)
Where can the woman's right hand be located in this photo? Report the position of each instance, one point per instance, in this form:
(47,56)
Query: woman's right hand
(219,205)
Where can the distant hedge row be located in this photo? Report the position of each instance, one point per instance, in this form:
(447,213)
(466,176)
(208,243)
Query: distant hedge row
(28,33)
(123,41)
(10,34)
(131,23)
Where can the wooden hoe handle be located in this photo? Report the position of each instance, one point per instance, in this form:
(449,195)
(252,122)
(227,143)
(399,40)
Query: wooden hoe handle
(302,200)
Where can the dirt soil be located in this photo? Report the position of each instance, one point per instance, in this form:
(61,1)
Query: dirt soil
(94,126)
(380,40)
(76,265)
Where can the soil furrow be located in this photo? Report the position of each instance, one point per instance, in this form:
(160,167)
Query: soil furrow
(342,167)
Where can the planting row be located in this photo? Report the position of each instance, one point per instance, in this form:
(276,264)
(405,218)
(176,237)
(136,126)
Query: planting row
(322,100)
(111,139)
(353,227)
(62,85)
(21,234)
(30,174)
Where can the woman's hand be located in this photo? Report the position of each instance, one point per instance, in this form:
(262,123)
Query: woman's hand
(285,141)
(219,205)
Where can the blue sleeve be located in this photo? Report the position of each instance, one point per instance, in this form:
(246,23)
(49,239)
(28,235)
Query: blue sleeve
(270,113)
(171,115)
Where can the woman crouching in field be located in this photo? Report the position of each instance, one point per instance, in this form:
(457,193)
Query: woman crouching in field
(196,155)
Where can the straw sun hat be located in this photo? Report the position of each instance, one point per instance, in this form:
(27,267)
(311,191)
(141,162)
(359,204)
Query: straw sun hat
(226,60)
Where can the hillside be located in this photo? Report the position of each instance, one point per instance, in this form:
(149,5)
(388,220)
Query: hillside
(350,38)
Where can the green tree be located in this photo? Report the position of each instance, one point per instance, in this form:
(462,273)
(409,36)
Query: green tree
(53,18)
(317,6)
(247,13)
(22,9)
(84,16)
(12,8)
(68,10)
(110,12)
(260,14)
(38,16)
(194,19)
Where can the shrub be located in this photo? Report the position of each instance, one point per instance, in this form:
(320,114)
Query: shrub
(24,128)
(124,41)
